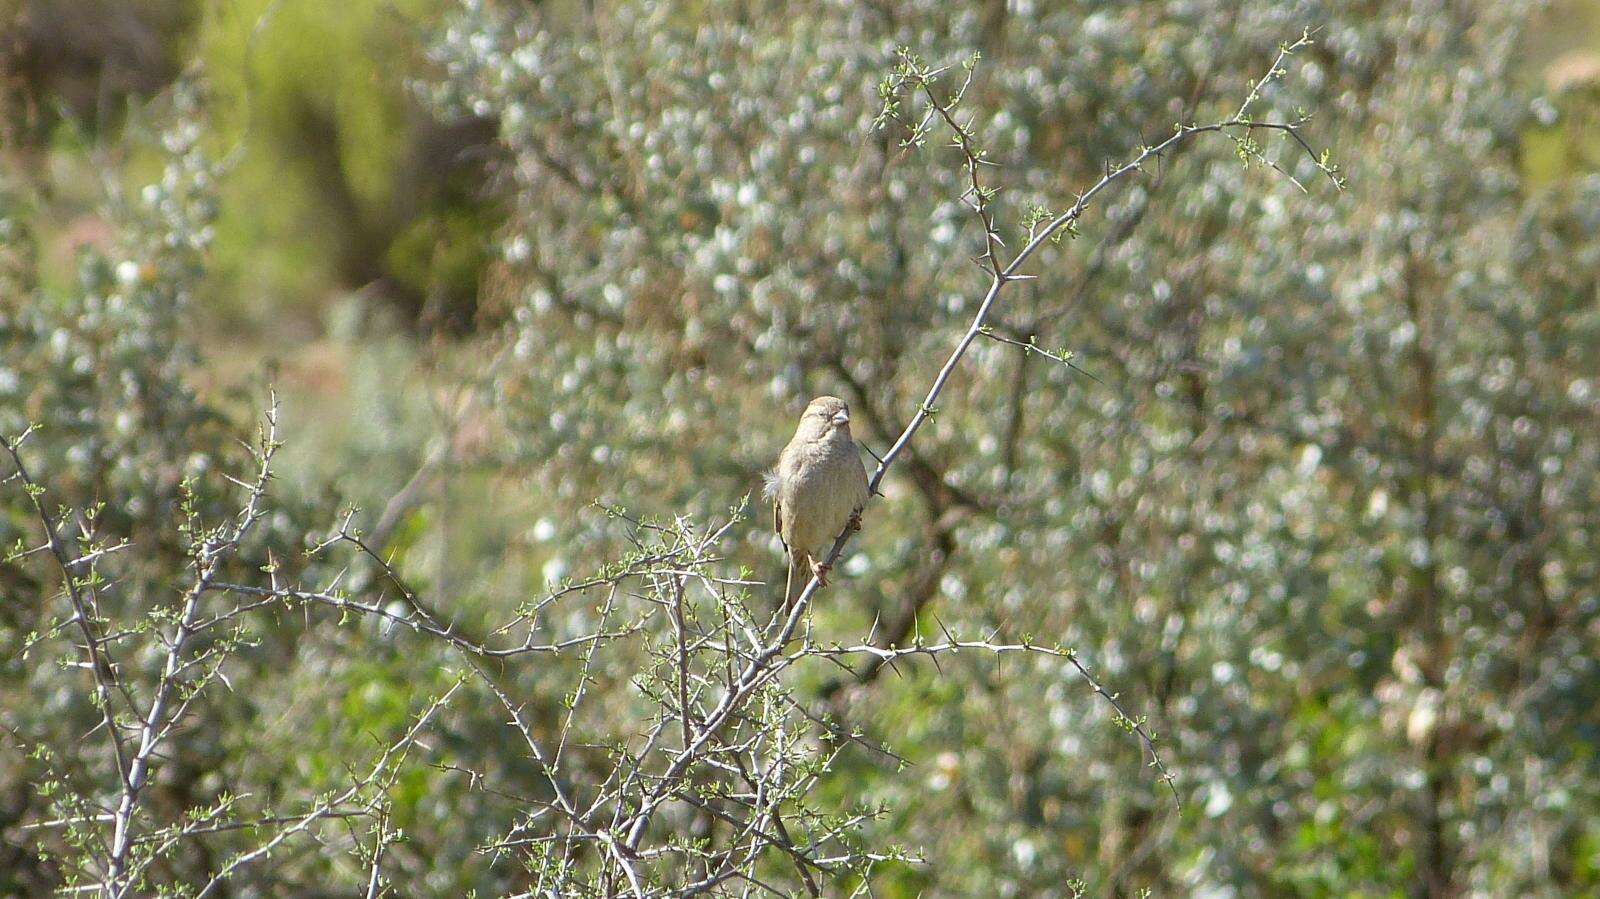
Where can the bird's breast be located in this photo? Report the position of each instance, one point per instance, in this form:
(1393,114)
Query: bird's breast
(824,486)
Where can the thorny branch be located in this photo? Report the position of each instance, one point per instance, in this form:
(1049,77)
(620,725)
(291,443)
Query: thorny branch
(911,74)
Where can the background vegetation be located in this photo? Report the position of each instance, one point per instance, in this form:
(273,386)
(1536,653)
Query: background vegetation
(540,287)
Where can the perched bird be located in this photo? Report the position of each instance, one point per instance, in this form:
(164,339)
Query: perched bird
(818,488)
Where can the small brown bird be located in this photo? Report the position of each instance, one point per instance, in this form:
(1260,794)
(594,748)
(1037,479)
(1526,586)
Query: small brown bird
(818,488)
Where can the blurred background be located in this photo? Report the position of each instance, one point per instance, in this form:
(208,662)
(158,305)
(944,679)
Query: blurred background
(1326,513)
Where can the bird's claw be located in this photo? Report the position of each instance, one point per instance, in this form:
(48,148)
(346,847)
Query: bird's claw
(855,520)
(821,571)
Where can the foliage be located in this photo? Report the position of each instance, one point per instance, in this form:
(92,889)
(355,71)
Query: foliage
(339,178)
(1235,534)
(1284,510)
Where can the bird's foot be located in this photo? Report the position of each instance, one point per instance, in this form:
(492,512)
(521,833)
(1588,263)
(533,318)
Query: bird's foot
(821,571)
(855,520)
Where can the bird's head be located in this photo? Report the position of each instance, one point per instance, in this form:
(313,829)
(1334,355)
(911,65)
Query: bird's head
(826,416)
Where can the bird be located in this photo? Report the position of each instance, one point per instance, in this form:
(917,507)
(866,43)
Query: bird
(818,488)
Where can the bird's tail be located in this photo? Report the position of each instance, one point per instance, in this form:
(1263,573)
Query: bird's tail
(799,576)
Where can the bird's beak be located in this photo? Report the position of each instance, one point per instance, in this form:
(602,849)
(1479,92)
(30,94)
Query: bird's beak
(841,417)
